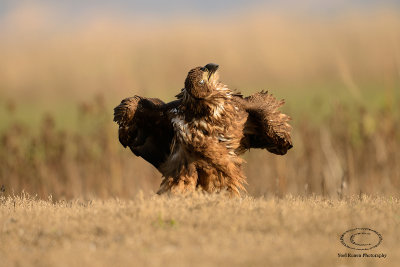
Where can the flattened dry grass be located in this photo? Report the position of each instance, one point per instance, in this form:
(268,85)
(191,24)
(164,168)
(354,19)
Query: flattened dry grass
(199,230)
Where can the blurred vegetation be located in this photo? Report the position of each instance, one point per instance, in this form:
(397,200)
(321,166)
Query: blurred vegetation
(352,152)
(340,77)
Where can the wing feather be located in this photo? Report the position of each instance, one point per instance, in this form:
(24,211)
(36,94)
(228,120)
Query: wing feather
(144,127)
(266,127)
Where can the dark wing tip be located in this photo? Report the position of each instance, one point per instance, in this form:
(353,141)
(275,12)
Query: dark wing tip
(124,112)
(267,127)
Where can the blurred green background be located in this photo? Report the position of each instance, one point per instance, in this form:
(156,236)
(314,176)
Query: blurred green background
(64,66)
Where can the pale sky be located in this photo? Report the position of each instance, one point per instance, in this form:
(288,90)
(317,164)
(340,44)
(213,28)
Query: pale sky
(167,8)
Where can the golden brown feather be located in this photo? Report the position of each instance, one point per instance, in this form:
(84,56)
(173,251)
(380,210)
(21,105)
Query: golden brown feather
(195,141)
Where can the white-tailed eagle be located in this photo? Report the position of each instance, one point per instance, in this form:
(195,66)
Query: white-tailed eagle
(196,141)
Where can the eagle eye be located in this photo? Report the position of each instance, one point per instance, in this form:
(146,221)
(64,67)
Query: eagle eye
(201,82)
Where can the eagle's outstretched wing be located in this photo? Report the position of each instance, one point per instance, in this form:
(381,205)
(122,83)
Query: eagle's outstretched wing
(145,128)
(266,127)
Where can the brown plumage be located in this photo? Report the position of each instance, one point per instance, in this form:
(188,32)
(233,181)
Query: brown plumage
(196,141)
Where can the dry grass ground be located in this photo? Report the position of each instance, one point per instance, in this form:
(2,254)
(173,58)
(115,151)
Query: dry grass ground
(193,231)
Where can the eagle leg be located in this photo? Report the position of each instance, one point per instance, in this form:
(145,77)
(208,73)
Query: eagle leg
(185,182)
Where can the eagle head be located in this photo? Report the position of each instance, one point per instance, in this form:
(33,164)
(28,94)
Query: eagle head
(200,81)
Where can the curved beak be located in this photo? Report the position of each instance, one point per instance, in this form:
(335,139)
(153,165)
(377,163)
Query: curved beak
(211,68)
